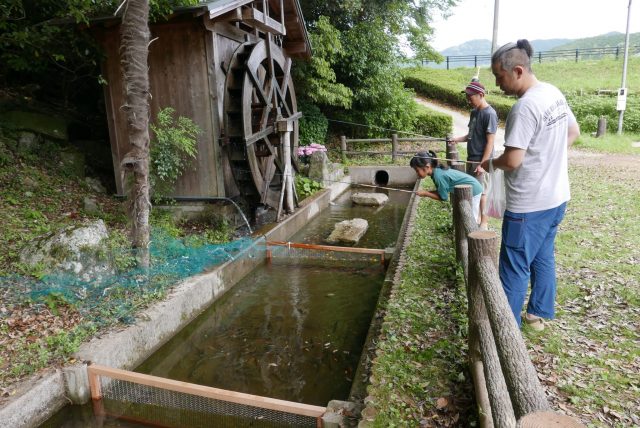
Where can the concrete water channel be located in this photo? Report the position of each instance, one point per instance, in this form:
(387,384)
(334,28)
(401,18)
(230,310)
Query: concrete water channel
(292,328)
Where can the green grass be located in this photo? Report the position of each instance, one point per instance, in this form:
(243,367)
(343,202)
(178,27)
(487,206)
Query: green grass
(588,358)
(422,348)
(592,347)
(610,143)
(579,81)
(570,77)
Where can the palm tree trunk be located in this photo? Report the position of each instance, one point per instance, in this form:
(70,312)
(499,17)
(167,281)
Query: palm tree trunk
(134,48)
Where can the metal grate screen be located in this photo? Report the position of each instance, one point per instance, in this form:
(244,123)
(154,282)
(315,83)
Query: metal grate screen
(159,404)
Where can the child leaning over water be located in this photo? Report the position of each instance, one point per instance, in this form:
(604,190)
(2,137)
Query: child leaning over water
(426,164)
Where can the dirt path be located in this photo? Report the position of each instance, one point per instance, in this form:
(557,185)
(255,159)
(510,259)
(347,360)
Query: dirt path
(460,120)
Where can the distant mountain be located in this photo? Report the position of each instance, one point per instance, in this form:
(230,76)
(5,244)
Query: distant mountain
(612,39)
(472,47)
(483,46)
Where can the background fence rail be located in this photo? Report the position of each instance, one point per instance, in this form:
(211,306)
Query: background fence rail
(564,54)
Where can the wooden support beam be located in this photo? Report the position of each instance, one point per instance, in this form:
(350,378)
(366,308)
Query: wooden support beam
(262,22)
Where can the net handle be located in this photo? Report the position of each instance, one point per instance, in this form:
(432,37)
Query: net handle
(359,250)
(95,371)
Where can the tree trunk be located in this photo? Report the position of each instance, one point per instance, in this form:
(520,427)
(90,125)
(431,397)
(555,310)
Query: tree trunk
(483,347)
(521,378)
(134,48)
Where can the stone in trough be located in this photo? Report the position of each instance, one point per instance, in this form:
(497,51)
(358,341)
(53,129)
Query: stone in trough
(369,199)
(348,231)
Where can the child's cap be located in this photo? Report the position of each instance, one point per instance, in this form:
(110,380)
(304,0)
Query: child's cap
(474,87)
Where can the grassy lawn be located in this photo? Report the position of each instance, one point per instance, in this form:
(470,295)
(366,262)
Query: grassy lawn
(588,359)
(420,377)
(591,354)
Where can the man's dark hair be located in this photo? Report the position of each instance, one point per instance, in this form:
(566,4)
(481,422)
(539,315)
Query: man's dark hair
(513,54)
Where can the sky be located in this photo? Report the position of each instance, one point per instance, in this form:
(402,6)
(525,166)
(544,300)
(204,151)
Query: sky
(534,19)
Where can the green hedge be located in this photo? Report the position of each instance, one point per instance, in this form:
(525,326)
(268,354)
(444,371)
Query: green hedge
(453,96)
(432,123)
(446,86)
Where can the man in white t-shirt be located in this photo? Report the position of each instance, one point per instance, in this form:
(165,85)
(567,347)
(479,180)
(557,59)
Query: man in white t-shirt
(539,129)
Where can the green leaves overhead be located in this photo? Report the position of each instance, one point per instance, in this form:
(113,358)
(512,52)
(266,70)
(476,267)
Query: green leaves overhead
(357,45)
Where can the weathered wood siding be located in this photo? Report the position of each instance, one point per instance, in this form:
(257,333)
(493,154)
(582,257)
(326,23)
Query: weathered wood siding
(180,77)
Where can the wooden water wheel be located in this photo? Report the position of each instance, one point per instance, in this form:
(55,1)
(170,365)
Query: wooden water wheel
(258,93)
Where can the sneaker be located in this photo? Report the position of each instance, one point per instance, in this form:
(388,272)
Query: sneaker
(535,322)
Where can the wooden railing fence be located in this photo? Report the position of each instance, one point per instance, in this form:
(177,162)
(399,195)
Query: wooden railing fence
(451,150)
(508,391)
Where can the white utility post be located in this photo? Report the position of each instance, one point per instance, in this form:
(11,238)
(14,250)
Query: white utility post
(494,41)
(622,92)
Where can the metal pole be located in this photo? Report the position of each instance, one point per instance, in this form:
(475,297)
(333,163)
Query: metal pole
(494,41)
(624,66)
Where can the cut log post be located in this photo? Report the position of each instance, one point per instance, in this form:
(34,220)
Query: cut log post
(548,419)
(602,127)
(521,378)
(462,225)
(483,352)
(451,153)
(394,147)
(343,148)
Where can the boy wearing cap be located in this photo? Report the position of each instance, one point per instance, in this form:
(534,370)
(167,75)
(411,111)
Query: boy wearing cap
(483,125)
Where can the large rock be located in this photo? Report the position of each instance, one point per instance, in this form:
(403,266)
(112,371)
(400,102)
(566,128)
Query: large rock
(74,249)
(348,231)
(318,166)
(369,199)
(39,123)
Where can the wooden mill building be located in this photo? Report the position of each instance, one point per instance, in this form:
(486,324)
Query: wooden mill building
(226,65)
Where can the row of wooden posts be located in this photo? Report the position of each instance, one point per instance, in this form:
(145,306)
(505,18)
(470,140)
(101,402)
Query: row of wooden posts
(452,156)
(508,391)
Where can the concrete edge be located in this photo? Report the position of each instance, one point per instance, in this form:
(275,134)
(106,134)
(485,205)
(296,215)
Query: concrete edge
(37,398)
(361,377)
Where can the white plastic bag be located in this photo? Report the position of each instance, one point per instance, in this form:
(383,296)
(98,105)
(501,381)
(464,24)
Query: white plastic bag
(496,196)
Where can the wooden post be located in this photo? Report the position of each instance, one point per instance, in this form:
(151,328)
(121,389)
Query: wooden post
(343,148)
(602,126)
(285,127)
(521,378)
(462,193)
(451,153)
(548,419)
(483,352)
(394,147)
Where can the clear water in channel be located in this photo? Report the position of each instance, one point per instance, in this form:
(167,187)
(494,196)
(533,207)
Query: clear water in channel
(294,328)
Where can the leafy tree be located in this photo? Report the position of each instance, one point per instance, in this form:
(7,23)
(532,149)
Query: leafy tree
(407,18)
(316,78)
(369,69)
(370,35)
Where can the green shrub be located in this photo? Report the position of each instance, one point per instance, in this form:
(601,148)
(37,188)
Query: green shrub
(173,144)
(313,124)
(432,123)
(445,86)
(306,187)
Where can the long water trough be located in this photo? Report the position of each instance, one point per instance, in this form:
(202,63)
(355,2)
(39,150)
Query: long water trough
(279,322)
